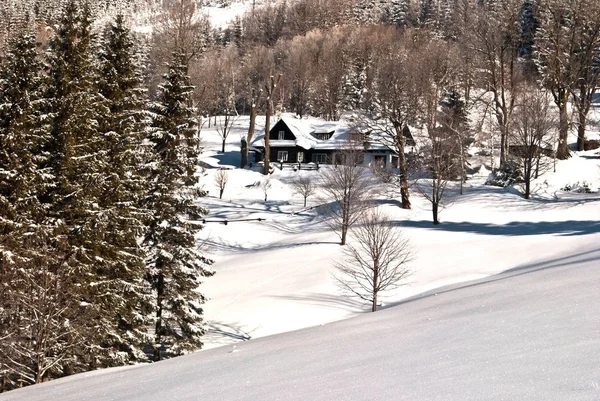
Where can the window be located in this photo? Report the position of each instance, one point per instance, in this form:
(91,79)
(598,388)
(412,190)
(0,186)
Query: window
(300,157)
(281,135)
(282,155)
(323,136)
(320,158)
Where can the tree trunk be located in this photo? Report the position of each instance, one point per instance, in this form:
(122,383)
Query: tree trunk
(375,284)
(223,146)
(562,152)
(305,201)
(270,93)
(400,144)
(267,157)
(374,304)
(158,327)
(434,209)
(581,130)
(253,112)
(221,193)
(503,147)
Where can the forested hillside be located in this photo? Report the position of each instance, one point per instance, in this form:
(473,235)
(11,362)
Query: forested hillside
(101,105)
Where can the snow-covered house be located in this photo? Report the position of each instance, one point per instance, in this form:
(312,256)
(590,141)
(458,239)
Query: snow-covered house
(296,140)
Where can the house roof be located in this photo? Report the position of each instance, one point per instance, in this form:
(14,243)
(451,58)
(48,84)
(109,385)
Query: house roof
(305,130)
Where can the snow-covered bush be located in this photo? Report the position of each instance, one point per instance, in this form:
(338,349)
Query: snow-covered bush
(582,187)
(511,174)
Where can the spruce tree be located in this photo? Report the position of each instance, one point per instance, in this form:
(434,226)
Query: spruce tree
(396,13)
(79,202)
(32,319)
(122,125)
(175,264)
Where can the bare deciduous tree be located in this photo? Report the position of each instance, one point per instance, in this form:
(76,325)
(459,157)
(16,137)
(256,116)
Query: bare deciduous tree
(558,47)
(223,127)
(346,190)
(586,62)
(269,93)
(377,263)
(532,133)
(443,164)
(304,186)
(492,36)
(255,99)
(265,186)
(221,178)
(397,100)
(41,316)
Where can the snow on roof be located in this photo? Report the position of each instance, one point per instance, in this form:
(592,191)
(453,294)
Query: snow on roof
(306,129)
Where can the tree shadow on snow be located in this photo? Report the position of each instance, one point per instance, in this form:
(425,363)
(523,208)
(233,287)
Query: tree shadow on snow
(231,158)
(564,262)
(327,301)
(221,333)
(514,228)
(214,246)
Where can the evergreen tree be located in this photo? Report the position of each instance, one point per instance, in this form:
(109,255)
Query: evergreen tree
(175,265)
(454,125)
(80,200)
(396,13)
(32,319)
(122,127)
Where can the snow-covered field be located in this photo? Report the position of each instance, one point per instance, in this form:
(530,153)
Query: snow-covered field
(276,275)
(503,303)
(532,333)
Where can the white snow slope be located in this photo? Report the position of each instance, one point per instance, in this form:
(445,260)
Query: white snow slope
(528,328)
(532,333)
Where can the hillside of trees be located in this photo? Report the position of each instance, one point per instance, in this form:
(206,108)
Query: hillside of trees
(99,138)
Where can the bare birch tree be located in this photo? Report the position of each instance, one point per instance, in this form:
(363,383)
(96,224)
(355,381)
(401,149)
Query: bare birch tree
(221,178)
(586,60)
(345,191)
(443,164)
(305,187)
(492,37)
(224,125)
(557,50)
(377,262)
(396,102)
(255,99)
(265,186)
(534,124)
(269,94)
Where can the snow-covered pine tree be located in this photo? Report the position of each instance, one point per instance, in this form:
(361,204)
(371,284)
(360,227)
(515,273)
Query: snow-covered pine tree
(122,126)
(368,11)
(33,324)
(175,264)
(397,13)
(454,125)
(80,161)
(429,14)
(355,84)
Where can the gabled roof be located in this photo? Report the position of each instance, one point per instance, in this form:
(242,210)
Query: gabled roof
(301,129)
(305,130)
